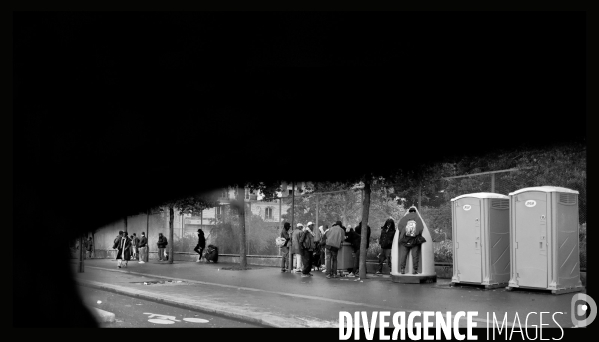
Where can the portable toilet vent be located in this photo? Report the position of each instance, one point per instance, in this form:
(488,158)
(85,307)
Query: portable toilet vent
(544,239)
(481,228)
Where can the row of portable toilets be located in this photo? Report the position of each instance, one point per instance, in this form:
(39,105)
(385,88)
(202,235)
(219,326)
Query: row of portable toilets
(528,239)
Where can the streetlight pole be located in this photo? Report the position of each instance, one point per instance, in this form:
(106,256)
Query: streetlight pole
(81,253)
(292,222)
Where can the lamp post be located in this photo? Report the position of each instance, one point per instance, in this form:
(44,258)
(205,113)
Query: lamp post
(81,253)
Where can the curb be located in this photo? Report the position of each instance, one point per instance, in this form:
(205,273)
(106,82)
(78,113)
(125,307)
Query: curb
(256,318)
(102,315)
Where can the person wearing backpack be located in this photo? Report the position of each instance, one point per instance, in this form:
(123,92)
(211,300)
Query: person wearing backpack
(386,242)
(307,246)
(334,239)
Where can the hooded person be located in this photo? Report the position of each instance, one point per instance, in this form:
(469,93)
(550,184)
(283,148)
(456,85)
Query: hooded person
(334,239)
(285,248)
(386,243)
(410,239)
(296,249)
(201,244)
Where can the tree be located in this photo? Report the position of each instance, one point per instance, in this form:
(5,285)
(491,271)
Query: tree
(193,205)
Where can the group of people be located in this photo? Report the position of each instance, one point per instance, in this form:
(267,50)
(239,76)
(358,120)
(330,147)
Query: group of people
(128,248)
(309,245)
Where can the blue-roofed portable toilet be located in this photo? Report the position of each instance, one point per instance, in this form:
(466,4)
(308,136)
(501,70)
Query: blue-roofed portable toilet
(480,229)
(544,235)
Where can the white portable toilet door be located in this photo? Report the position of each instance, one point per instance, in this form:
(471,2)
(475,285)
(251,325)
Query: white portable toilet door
(469,240)
(531,239)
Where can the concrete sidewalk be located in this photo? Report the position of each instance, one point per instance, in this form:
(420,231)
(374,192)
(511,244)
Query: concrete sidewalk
(266,296)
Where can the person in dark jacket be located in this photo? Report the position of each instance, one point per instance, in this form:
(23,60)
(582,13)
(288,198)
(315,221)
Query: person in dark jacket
(124,250)
(201,244)
(411,228)
(89,247)
(285,249)
(386,243)
(117,239)
(307,246)
(355,238)
(143,248)
(162,243)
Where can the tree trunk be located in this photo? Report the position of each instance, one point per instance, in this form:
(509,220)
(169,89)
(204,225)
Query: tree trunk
(364,240)
(242,239)
(171,230)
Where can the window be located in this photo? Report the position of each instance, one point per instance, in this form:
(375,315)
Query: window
(290,192)
(219,212)
(224,194)
(268,213)
(247,194)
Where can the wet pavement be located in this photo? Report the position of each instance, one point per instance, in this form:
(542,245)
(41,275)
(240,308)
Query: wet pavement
(133,312)
(318,298)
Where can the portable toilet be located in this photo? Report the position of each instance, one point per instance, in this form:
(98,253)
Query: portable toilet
(481,229)
(544,239)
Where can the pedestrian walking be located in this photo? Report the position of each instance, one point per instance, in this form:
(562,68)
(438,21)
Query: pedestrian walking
(386,243)
(117,239)
(307,246)
(201,244)
(296,247)
(89,247)
(162,243)
(124,250)
(410,239)
(134,246)
(334,239)
(143,248)
(285,247)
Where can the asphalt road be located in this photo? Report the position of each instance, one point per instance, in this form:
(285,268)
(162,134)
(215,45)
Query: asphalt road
(132,312)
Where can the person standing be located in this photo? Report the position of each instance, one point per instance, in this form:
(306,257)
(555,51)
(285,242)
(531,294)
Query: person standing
(285,247)
(124,250)
(296,247)
(410,239)
(317,232)
(201,244)
(162,243)
(356,241)
(386,243)
(323,251)
(334,239)
(307,246)
(89,248)
(134,246)
(143,248)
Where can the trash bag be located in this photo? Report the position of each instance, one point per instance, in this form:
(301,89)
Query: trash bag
(211,254)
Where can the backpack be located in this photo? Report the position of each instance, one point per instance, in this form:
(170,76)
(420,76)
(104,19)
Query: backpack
(211,253)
